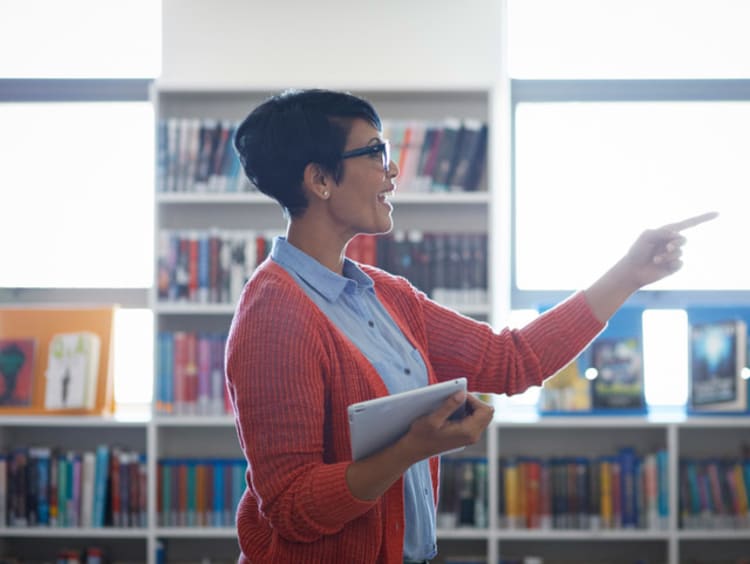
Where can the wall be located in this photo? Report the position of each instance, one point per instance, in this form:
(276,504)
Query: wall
(334,43)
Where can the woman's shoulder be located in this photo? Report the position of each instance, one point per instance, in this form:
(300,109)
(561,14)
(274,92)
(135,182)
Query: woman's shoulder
(272,290)
(391,286)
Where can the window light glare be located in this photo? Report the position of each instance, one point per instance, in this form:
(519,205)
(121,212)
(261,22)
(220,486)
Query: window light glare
(591,373)
(665,357)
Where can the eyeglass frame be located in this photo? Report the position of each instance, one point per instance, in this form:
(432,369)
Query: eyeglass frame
(384,148)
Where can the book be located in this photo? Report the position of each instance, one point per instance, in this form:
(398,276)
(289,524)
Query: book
(567,391)
(618,383)
(16,371)
(72,371)
(717,357)
(469,158)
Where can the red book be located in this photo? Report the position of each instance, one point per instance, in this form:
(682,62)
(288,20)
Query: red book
(114,490)
(193,267)
(180,371)
(191,373)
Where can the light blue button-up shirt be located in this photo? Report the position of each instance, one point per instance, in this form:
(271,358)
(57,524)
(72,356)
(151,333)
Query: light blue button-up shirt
(350,303)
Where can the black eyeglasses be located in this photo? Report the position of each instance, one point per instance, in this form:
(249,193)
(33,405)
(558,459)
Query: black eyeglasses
(383,148)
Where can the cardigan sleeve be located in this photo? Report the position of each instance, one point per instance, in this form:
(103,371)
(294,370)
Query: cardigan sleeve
(275,372)
(511,360)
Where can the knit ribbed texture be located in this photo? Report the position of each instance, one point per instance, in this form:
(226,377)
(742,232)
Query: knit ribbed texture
(291,376)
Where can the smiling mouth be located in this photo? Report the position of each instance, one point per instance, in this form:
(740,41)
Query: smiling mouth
(384,197)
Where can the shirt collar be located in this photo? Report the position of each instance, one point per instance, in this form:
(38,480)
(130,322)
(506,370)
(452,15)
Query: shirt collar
(323,280)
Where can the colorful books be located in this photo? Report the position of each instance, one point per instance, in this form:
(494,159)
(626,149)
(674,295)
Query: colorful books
(718,355)
(16,371)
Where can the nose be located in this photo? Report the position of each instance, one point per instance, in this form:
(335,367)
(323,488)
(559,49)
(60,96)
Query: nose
(393,170)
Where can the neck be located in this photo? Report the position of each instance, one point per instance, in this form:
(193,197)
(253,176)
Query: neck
(321,243)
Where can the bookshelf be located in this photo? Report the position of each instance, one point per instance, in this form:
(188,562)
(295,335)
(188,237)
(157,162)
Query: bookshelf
(176,435)
(510,435)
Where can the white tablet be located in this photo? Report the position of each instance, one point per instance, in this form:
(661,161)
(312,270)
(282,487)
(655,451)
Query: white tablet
(377,423)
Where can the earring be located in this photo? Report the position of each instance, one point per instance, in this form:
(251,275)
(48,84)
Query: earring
(325,193)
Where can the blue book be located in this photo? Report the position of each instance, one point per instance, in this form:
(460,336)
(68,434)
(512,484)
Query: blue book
(101,475)
(218,493)
(662,472)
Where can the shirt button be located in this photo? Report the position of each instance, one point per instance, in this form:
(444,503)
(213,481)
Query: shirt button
(407,371)
(371,323)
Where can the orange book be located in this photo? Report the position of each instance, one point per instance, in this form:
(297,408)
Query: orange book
(512,501)
(606,494)
(200,495)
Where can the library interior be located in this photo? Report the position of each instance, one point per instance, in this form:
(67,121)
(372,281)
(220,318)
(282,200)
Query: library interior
(539,166)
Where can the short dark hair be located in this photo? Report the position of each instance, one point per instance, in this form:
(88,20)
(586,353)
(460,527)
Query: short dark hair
(285,133)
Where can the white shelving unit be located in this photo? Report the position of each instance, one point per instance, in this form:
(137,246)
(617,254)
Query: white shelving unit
(452,212)
(506,436)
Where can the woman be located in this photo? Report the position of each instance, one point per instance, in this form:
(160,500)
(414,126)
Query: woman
(314,332)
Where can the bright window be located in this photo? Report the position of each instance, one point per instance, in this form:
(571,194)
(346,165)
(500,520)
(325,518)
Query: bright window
(77,195)
(589,177)
(628,39)
(665,357)
(78,174)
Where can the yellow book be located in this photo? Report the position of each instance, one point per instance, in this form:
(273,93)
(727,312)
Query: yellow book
(741,489)
(511,482)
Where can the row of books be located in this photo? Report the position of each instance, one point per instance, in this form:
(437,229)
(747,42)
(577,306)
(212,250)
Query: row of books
(609,374)
(623,491)
(190,375)
(463,498)
(208,266)
(196,155)
(48,487)
(199,492)
(714,493)
(446,156)
(449,267)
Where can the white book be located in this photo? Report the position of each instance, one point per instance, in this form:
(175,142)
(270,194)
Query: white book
(88,471)
(72,371)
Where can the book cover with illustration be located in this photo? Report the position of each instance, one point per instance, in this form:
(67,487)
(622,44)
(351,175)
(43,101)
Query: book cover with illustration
(718,356)
(568,391)
(72,371)
(618,384)
(16,371)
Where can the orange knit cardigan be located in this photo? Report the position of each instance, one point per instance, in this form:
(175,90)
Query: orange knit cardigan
(291,375)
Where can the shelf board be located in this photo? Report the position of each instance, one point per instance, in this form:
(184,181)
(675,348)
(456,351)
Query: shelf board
(714,534)
(463,533)
(167,86)
(194,421)
(529,417)
(581,535)
(196,532)
(193,309)
(256,198)
(140,420)
(75,532)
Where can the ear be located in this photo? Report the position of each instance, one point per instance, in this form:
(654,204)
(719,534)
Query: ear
(317,181)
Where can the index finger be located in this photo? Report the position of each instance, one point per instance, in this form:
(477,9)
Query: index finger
(691,221)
